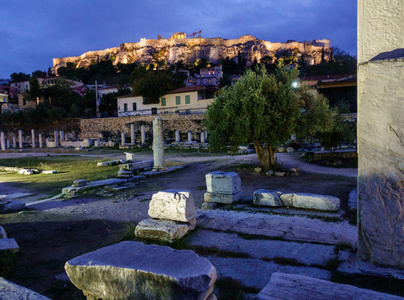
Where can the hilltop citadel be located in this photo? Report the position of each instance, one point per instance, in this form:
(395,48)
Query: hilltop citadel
(180,47)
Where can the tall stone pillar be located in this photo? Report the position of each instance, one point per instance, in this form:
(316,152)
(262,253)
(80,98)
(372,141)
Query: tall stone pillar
(40,140)
(202,137)
(123,137)
(158,145)
(14,141)
(33,138)
(132,134)
(56,138)
(8,144)
(189,136)
(381,132)
(143,134)
(177,136)
(20,138)
(3,141)
(62,135)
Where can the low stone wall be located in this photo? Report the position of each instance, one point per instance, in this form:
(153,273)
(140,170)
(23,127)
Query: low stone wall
(316,156)
(93,128)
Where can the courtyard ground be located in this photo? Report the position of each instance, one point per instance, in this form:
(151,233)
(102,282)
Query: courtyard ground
(50,233)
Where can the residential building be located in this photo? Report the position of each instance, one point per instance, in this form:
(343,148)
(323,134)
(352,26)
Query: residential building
(209,77)
(23,86)
(186,100)
(133,106)
(50,80)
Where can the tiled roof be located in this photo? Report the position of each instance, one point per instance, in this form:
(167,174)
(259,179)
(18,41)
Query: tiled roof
(188,89)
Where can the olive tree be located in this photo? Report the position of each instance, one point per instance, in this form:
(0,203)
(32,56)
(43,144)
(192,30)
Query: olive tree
(264,109)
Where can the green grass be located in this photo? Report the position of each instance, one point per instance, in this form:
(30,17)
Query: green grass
(69,168)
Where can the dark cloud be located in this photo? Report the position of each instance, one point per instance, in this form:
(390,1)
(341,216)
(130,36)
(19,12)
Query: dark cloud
(34,32)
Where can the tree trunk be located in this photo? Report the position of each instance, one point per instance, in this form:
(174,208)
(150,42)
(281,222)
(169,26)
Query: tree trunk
(265,155)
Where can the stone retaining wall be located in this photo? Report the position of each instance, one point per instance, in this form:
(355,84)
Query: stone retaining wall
(93,128)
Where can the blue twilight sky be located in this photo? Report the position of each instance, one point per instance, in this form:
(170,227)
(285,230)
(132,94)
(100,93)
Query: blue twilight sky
(34,32)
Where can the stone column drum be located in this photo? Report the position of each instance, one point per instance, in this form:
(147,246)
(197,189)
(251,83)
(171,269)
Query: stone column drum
(132,134)
(143,134)
(123,137)
(40,140)
(3,141)
(33,138)
(177,136)
(20,138)
(158,145)
(381,132)
(56,137)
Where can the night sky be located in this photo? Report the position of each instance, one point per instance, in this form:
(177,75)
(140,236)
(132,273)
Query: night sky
(32,33)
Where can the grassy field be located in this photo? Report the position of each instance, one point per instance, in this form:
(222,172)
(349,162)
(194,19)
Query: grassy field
(68,167)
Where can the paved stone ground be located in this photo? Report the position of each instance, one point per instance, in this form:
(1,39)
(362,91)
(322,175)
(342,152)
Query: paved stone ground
(245,246)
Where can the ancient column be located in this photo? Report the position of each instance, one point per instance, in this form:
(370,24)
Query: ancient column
(20,138)
(189,136)
(123,138)
(14,141)
(3,141)
(66,137)
(158,145)
(132,134)
(40,140)
(33,138)
(202,137)
(177,136)
(381,132)
(56,138)
(143,134)
(62,135)
(8,144)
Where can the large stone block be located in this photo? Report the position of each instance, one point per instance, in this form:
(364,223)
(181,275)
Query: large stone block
(267,198)
(175,205)
(133,270)
(7,205)
(222,198)
(11,291)
(311,201)
(293,286)
(161,230)
(223,182)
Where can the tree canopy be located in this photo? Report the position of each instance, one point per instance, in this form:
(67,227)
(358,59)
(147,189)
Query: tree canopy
(264,109)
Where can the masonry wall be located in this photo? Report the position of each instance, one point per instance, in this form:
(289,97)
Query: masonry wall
(92,128)
(381,132)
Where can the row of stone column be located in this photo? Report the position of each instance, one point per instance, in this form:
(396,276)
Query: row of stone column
(6,144)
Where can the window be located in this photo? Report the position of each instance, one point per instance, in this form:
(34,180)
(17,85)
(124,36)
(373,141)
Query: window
(163,101)
(177,100)
(187,99)
(134,106)
(125,107)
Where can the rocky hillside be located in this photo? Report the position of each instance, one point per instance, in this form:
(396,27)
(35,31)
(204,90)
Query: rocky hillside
(188,50)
